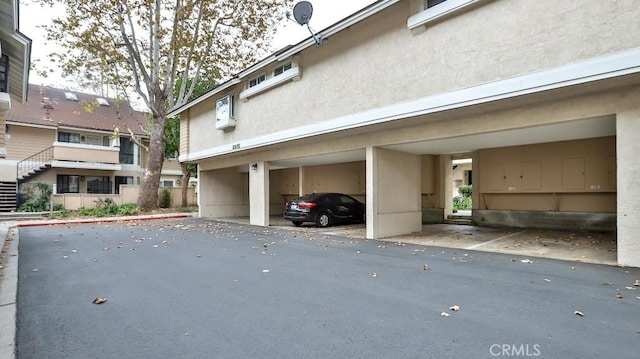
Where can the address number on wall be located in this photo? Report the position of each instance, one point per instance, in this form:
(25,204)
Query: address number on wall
(236,146)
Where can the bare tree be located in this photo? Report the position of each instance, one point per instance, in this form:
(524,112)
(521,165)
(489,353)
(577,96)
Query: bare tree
(153,47)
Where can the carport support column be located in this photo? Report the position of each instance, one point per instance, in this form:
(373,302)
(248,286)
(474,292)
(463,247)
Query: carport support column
(301,181)
(259,193)
(628,172)
(393,193)
(446,184)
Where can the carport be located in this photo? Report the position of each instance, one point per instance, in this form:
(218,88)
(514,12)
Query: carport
(537,163)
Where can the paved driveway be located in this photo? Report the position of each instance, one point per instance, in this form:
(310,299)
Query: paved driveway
(197,288)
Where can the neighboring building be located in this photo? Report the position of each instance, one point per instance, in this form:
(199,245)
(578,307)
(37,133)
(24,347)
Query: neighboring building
(543,96)
(77,142)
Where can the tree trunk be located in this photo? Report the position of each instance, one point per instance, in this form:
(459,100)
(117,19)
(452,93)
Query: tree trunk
(186,175)
(148,196)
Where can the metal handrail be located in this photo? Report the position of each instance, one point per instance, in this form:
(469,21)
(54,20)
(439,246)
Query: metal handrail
(34,162)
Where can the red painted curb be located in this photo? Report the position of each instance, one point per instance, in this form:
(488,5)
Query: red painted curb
(99,220)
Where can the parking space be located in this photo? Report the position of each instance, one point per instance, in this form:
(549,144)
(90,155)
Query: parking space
(588,247)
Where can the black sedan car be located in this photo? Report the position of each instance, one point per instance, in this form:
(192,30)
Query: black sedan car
(324,209)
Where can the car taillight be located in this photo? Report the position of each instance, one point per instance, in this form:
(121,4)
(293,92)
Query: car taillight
(306,204)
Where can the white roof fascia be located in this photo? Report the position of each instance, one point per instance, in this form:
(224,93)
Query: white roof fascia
(226,85)
(337,27)
(283,55)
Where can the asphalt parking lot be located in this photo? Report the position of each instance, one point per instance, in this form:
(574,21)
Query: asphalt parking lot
(194,288)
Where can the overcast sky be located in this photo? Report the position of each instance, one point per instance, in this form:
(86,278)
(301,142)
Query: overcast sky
(325,13)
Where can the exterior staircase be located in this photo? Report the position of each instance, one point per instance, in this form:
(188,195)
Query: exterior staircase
(26,170)
(35,165)
(8,191)
(458,219)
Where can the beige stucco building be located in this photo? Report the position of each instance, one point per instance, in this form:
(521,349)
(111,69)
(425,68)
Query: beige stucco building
(543,96)
(79,144)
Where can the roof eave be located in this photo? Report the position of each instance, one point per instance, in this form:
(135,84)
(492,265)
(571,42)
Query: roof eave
(291,51)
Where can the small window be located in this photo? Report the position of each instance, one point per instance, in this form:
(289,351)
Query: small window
(256,80)
(432,3)
(68,137)
(167,183)
(70,96)
(280,69)
(224,108)
(92,140)
(4,73)
(102,101)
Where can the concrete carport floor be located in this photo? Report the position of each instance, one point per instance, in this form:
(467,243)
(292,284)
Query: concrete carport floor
(588,247)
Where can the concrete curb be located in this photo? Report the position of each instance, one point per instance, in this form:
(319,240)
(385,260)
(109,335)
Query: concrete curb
(8,290)
(9,273)
(52,222)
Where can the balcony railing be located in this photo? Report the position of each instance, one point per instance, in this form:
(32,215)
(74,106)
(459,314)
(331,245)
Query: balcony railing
(63,151)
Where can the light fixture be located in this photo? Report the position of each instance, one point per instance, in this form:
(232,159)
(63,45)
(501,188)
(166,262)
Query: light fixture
(254,166)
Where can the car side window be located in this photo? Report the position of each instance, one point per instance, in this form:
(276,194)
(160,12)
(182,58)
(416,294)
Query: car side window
(326,200)
(346,200)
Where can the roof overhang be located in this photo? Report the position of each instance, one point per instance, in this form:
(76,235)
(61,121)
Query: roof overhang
(17,47)
(289,51)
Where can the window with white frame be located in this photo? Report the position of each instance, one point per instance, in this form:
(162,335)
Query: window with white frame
(282,68)
(257,80)
(225,108)
(435,10)
(68,137)
(91,140)
(167,183)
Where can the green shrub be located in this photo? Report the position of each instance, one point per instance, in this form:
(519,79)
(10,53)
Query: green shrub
(128,209)
(165,198)
(36,197)
(465,191)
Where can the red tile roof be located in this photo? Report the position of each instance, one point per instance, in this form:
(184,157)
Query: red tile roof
(48,106)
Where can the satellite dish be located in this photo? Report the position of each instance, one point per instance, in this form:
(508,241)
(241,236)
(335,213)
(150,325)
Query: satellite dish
(302,12)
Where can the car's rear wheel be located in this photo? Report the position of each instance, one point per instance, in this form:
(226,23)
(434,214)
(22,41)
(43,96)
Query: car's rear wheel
(296,223)
(323,220)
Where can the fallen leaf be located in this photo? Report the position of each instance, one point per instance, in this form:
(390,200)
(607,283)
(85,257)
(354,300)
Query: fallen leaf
(547,280)
(455,308)
(35,269)
(65,257)
(444,314)
(265,271)
(608,283)
(98,300)
(155,246)
(374,275)
(619,295)
(637,283)
(579,313)
(74,251)
(528,261)
(630,288)
(425,267)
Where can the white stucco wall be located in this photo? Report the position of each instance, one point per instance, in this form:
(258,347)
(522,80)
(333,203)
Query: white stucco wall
(381,62)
